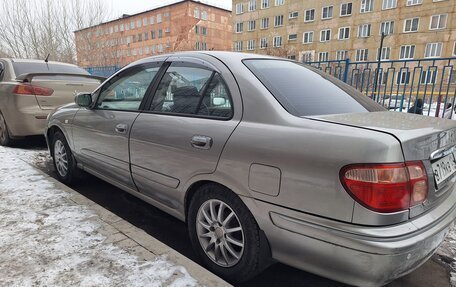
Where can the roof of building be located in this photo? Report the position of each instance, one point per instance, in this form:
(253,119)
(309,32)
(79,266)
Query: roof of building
(126,16)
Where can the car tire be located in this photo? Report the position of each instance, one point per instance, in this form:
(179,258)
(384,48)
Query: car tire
(5,139)
(64,162)
(209,230)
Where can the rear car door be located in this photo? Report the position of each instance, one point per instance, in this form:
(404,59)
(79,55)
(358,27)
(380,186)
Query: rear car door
(100,134)
(195,108)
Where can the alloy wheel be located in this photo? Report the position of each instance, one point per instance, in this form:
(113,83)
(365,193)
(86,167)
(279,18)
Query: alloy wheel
(61,158)
(220,233)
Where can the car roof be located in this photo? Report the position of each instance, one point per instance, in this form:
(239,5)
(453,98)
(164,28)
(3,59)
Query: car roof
(226,57)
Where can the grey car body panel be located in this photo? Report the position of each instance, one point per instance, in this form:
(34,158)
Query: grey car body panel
(311,222)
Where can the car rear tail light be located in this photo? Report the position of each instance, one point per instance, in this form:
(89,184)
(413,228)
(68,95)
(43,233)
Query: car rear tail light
(386,187)
(28,89)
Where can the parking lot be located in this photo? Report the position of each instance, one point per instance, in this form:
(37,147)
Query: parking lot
(172,232)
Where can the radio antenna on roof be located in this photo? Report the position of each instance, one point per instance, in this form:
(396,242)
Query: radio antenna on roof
(47,58)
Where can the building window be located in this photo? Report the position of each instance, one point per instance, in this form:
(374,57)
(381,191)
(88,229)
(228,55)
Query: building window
(133,52)
(128,41)
(239,27)
(139,37)
(433,50)
(116,28)
(277,42)
(428,77)
(292,37)
(203,31)
(168,30)
(407,52)
(204,17)
(278,21)
(403,77)
(291,57)
(279,2)
(389,4)
(238,46)
(264,23)
(146,36)
(132,24)
(411,25)
(239,8)
(159,18)
(138,23)
(251,45)
(196,13)
(307,37)
(341,55)
(414,2)
(438,22)
(345,9)
(387,27)
(325,35)
(160,33)
(327,12)
(264,4)
(263,43)
(323,56)
(309,15)
(252,5)
(344,33)
(307,56)
(362,55)
(366,6)
(386,53)
(293,15)
(121,27)
(166,14)
(364,30)
(252,24)
(152,35)
(152,20)
(134,38)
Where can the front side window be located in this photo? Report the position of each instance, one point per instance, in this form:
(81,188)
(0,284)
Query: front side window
(128,90)
(190,90)
(306,91)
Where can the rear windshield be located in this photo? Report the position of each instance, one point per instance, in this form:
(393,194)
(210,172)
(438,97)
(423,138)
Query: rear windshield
(305,91)
(26,68)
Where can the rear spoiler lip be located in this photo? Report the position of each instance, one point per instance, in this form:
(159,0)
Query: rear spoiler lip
(29,76)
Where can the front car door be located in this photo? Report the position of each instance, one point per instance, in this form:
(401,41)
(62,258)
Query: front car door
(181,134)
(101,133)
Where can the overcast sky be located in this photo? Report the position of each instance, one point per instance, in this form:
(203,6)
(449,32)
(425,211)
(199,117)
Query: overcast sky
(136,6)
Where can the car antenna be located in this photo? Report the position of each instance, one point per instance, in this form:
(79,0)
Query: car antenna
(47,58)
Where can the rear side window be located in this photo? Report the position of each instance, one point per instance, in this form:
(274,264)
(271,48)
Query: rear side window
(36,67)
(192,90)
(305,91)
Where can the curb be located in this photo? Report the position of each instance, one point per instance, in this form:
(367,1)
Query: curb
(134,239)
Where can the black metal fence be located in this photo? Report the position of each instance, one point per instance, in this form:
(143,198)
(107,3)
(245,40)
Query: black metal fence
(424,86)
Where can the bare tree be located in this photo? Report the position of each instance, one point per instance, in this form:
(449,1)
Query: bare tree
(34,28)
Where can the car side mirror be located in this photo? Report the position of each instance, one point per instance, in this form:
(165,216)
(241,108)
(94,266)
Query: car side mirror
(83,100)
(219,101)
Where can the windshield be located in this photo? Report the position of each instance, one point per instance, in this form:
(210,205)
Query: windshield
(305,91)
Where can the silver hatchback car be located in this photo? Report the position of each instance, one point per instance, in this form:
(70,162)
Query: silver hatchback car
(267,160)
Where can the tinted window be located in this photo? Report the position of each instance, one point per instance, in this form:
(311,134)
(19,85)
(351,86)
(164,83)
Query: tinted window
(127,91)
(26,68)
(304,91)
(188,89)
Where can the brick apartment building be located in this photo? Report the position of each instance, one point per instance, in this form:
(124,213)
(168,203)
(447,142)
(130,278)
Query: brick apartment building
(329,30)
(185,25)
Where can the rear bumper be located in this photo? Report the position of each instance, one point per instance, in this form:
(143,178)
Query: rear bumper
(356,255)
(27,122)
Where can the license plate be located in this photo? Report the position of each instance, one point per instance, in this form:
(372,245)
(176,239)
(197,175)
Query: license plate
(444,168)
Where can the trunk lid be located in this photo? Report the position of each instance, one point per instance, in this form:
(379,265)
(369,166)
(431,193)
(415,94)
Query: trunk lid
(65,88)
(428,139)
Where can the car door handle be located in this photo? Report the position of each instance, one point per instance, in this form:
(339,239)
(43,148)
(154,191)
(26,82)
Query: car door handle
(201,142)
(121,128)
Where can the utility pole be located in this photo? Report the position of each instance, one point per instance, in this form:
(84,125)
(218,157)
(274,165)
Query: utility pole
(377,73)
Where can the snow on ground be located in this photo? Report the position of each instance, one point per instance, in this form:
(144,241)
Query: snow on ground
(48,240)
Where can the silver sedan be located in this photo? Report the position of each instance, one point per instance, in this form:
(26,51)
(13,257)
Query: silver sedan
(267,160)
